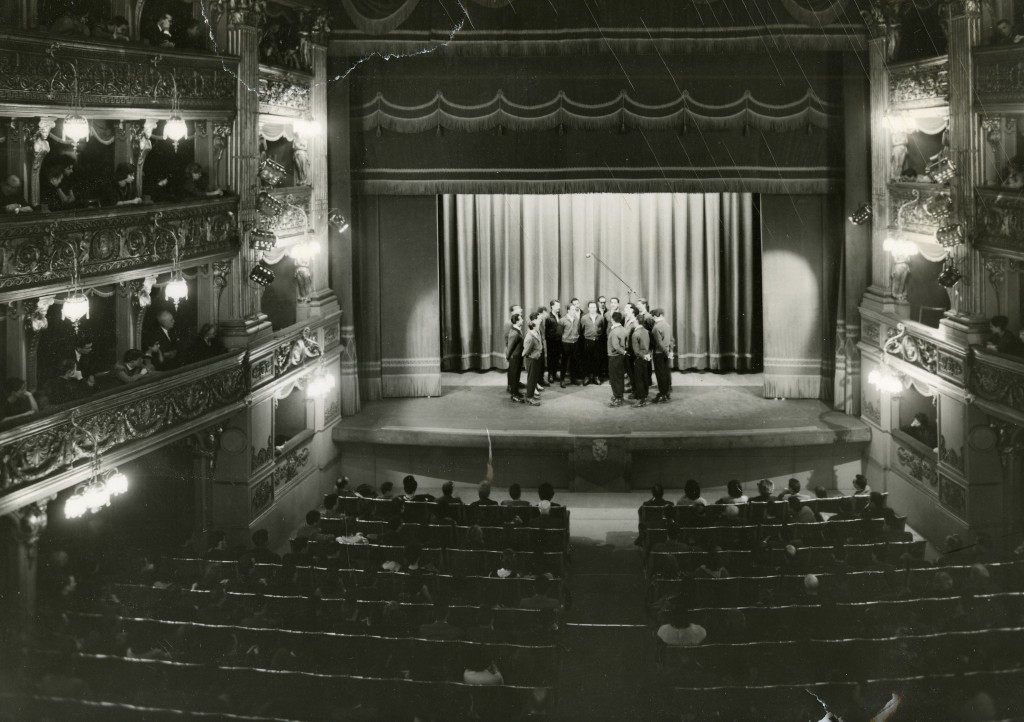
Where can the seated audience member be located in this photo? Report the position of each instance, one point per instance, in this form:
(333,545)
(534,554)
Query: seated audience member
(820,492)
(544,519)
(481,669)
(12,196)
(387,490)
(159,34)
(657,497)
(792,489)
(191,37)
(51,197)
(82,355)
(114,30)
(734,494)
(206,344)
(799,512)
(875,508)
(311,529)
(330,507)
(409,484)
(506,566)
(765,490)
(299,555)
(366,491)
(217,546)
(166,335)
(66,387)
(680,631)
(341,487)
(447,501)
(194,184)
(692,494)
(122,191)
(541,598)
(132,367)
(546,492)
(860,485)
(152,358)
(259,552)
(922,429)
(1005,34)
(71,23)
(1002,339)
(514,493)
(474,538)
(672,541)
(483,493)
(712,566)
(440,628)
(18,401)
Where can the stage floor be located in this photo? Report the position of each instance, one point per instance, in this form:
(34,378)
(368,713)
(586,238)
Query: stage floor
(703,406)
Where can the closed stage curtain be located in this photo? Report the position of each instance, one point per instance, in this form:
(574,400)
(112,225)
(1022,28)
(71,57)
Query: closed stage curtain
(697,256)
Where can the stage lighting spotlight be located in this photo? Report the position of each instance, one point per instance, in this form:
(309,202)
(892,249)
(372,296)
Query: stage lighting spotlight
(939,206)
(268,205)
(271,172)
(262,274)
(262,239)
(941,171)
(951,235)
(950,276)
(862,215)
(337,221)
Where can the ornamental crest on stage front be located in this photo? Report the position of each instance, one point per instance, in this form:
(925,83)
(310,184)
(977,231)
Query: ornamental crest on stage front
(600,448)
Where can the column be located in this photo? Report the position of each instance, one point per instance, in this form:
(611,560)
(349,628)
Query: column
(965,321)
(17,338)
(242,152)
(322,301)
(21,129)
(21,532)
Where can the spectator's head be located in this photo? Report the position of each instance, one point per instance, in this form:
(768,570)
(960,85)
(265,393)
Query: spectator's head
(514,492)
(53,175)
(11,185)
(341,484)
(613,303)
(208,331)
(14,387)
(555,305)
(533,320)
(920,420)
(65,163)
(366,491)
(484,490)
(811,585)
(1003,29)
(657,491)
(546,492)
(124,173)
(602,302)
(516,318)
(386,489)
(409,484)
(860,482)
(617,317)
(217,539)
(735,489)
(658,313)
(574,302)
(83,344)
(193,171)
(795,504)
(998,323)
(164,22)
(133,358)
(66,369)
(312,517)
(691,489)
(765,487)
(649,322)
(515,308)
(260,538)
(630,311)
(794,486)
(118,25)
(820,492)
(475,535)
(330,501)
(447,489)
(166,319)
(591,307)
(877,500)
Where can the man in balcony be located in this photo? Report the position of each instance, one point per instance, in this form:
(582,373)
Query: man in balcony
(159,35)
(167,336)
(122,190)
(1002,340)
(12,196)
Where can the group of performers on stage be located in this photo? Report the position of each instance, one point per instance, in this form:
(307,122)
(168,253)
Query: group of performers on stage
(587,346)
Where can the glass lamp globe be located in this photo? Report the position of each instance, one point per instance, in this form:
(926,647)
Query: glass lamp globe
(76,128)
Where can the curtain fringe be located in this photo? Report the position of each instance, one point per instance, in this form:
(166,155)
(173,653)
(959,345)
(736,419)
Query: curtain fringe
(792,387)
(411,385)
(538,183)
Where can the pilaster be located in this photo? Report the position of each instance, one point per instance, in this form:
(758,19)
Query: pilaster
(40,149)
(21,532)
(879,292)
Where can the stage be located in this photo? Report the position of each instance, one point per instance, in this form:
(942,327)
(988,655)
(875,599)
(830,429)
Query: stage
(717,427)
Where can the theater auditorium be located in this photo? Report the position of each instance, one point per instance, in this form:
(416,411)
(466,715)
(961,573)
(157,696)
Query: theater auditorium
(452,360)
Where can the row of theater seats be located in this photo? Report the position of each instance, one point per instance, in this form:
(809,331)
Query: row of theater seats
(508,624)
(752,511)
(459,562)
(446,535)
(424,511)
(218,692)
(748,536)
(810,559)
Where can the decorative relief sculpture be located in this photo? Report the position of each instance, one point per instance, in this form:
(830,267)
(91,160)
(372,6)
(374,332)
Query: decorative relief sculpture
(915,466)
(262,496)
(280,93)
(882,18)
(953,496)
(919,85)
(914,350)
(950,456)
(290,466)
(295,353)
(996,384)
(264,455)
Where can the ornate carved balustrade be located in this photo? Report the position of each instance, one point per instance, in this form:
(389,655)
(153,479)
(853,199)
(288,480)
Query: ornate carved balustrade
(40,458)
(918,85)
(998,379)
(285,92)
(37,250)
(916,216)
(293,349)
(998,79)
(1000,227)
(288,467)
(917,346)
(39,73)
(290,221)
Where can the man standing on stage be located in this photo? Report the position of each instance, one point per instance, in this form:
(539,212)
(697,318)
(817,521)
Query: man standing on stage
(542,319)
(661,343)
(533,346)
(616,357)
(514,356)
(630,325)
(642,314)
(602,342)
(570,325)
(552,339)
(641,344)
(591,327)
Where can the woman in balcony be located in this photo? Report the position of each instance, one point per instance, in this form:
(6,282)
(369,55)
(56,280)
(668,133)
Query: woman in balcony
(195,186)
(122,191)
(132,367)
(51,196)
(18,401)
(206,345)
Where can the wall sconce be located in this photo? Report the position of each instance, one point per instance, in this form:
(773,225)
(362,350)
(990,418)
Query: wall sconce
(951,235)
(941,171)
(306,127)
(95,493)
(884,379)
(262,274)
(950,276)
(900,247)
(862,215)
(262,239)
(176,289)
(304,252)
(320,384)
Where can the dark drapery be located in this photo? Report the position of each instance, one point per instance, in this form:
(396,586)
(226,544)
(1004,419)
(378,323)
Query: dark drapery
(695,255)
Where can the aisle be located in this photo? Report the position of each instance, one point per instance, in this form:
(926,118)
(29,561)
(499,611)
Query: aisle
(608,668)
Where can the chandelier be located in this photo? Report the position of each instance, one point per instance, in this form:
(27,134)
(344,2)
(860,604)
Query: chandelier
(92,495)
(75,127)
(76,303)
(175,129)
(176,289)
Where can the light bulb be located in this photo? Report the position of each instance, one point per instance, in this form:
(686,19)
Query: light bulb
(117,483)
(175,130)
(306,127)
(176,291)
(76,128)
(76,307)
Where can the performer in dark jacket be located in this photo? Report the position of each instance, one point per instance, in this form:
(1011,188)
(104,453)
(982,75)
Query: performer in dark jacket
(533,349)
(514,356)
(641,345)
(591,326)
(570,325)
(553,339)
(616,357)
(661,343)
